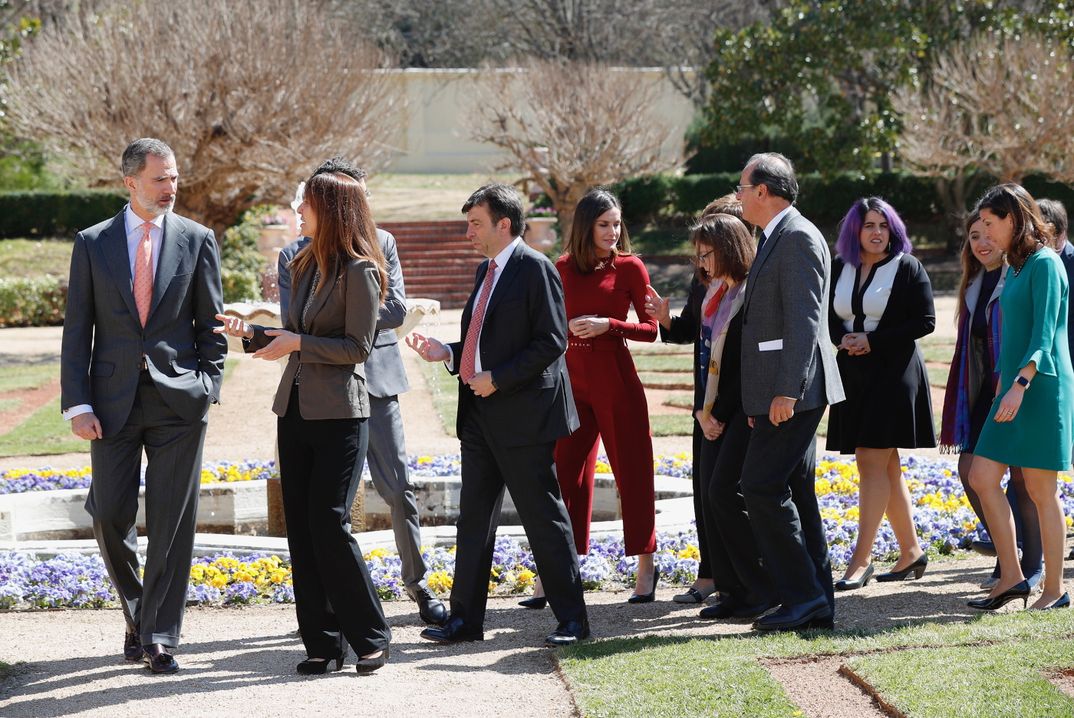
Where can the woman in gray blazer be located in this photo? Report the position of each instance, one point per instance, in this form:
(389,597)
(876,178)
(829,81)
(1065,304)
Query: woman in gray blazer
(338,285)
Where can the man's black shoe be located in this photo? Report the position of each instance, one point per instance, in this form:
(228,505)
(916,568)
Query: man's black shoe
(431,609)
(568,633)
(454,631)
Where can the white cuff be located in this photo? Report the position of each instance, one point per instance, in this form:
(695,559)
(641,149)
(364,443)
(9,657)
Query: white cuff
(450,361)
(74,411)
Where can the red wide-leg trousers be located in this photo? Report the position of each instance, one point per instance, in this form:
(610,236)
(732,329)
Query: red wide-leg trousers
(611,406)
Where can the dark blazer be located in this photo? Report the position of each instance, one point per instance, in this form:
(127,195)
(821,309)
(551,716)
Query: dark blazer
(522,343)
(104,342)
(908,316)
(384,371)
(686,328)
(785,337)
(340,326)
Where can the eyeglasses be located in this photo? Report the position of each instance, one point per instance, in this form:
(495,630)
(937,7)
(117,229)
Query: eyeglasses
(699,258)
(740,187)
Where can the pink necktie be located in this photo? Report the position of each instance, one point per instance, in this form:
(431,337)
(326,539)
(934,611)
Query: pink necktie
(467,368)
(143,274)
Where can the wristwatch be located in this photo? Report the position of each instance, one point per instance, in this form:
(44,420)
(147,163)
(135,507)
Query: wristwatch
(1021,381)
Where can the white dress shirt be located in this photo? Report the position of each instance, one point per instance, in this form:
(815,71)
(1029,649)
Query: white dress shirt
(501,262)
(133,226)
(771,226)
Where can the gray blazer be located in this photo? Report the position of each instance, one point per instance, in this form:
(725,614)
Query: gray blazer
(785,345)
(340,325)
(384,371)
(104,342)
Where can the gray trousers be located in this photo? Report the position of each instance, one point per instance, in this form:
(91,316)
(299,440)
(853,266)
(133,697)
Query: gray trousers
(153,606)
(387,465)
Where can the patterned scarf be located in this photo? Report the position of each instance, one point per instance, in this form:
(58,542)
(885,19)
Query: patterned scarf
(955,427)
(720,305)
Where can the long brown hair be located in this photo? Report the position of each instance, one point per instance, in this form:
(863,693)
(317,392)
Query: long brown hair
(1030,230)
(970,265)
(345,229)
(580,245)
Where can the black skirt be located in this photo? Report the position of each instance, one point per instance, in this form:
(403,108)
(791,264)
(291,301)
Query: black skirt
(888,403)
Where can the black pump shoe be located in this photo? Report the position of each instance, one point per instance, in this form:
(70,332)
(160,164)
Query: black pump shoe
(1019,590)
(646,597)
(368,665)
(848,584)
(318,666)
(917,568)
(1061,602)
(534,602)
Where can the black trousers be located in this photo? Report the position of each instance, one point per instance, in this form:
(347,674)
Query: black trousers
(704,567)
(320,465)
(529,473)
(734,558)
(152,605)
(778,484)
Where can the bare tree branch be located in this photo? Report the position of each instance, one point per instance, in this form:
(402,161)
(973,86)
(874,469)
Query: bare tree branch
(250,97)
(572,126)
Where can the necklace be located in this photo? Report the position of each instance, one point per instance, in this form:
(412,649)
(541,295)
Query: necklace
(1018,269)
(603,263)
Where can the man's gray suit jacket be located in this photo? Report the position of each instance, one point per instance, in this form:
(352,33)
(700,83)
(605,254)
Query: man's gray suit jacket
(384,372)
(104,341)
(786,350)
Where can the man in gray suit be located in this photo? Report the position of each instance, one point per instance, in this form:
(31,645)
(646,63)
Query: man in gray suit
(140,365)
(385,380)
(789,375)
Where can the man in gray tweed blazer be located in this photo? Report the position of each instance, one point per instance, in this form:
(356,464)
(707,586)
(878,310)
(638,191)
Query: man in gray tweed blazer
(789,375)
(385,380)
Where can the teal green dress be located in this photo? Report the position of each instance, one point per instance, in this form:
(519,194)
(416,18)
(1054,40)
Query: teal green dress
(1033,316)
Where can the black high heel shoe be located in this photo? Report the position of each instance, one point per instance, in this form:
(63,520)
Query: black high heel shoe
(368,665)
(1019,590)
(917,568)
(849,584)
(647,597)
(318,666)
(1061,602)
(535,602)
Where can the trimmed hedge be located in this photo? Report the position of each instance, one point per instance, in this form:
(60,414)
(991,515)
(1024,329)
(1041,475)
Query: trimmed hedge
(32,302)
(54,214)
(822,198)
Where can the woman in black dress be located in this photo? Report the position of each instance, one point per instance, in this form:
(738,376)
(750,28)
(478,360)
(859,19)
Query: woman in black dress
(881,303)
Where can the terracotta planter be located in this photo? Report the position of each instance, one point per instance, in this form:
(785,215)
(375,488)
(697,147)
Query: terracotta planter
(540,233)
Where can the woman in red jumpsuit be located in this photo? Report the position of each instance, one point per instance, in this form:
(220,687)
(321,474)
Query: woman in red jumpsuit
(601,279)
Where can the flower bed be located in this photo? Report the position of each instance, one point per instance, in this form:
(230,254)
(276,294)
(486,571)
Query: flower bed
(943,515)
(18,481)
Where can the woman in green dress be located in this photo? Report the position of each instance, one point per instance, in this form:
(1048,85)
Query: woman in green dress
(1030,421)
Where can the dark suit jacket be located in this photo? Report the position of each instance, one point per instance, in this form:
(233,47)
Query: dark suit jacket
(785,338)
(103,340)
(384,371)
(523,339)
(338,337)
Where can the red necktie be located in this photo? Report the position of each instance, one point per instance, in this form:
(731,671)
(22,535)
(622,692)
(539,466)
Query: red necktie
(714,303)
(469,348)
(143,274)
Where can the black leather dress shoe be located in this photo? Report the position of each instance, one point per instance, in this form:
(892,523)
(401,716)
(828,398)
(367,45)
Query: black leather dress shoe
(724,608)
(752,610)
(132,646)
(158,660)
(796,616)
(568,633)
(431,609)
(454,631)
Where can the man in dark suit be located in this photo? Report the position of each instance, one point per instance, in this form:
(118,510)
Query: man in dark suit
(514,402)
(140,365)
(789,375)
(385,380)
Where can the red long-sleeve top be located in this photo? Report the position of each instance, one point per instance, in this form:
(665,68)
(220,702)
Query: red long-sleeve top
(609,292)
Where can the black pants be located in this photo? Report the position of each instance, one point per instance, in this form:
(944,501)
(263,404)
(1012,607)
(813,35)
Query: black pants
(320,465)
(153,605)
(734,559)
(778,484)
(704,567)
(529,473)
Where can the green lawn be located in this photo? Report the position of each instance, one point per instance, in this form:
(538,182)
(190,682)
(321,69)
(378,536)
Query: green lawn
(667,380)
(442,196)
(27,376)
(46,431)
(672,424)
(681,401)
(938,349)
(664,362)
(985,667)
(35,257)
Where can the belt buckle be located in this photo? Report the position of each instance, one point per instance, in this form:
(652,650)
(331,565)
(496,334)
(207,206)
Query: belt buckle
(144,366)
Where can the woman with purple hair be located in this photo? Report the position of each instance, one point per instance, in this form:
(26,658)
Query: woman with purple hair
(881,303)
